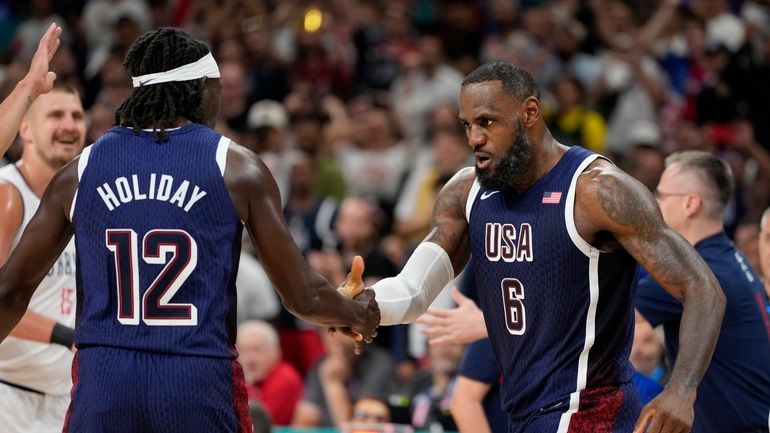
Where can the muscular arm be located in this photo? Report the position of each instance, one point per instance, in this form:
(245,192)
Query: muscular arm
(435,262)
(614,202)
(303,291)
(45,237)
(450,228)
(37,81)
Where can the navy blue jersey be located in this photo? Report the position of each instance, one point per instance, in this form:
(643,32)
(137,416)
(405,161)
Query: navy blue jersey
(734,394)
(558,311)
(157,241)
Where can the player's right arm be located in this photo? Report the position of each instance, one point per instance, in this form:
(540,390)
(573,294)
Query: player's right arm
(303,291)
(435,262)
(43,241)
(38,80)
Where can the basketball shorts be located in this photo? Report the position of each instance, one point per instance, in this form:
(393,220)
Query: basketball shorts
(125,391)
(601,410)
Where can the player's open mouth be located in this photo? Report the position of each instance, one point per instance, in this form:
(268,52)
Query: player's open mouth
(65,142)
(482,160)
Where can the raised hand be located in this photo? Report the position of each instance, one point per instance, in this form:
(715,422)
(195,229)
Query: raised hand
(460,325)
(39,77)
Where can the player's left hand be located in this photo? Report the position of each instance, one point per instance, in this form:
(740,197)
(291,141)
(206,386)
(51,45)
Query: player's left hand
(670,412)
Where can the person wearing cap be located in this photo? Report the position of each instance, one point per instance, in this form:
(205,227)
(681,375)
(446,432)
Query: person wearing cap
(157,206)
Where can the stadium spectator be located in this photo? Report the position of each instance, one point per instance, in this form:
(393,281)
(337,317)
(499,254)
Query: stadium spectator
(271,382)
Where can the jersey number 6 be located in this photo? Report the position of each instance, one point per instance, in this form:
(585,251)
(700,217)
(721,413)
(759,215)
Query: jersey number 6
(515,317)
(157,308)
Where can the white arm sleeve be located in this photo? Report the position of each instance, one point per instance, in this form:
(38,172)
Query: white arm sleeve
(405,297)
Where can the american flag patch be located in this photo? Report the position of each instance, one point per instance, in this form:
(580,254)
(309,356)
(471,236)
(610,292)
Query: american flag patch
(551,197)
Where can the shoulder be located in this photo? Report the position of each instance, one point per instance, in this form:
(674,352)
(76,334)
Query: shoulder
(613,198)
(11,206)
(240,156)
(249,182)
(243,166)
(454,195)
(9,195)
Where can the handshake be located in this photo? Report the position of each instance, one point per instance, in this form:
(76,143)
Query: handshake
(353,288)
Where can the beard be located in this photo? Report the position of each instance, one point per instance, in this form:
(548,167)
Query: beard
(54,159)
(512,165)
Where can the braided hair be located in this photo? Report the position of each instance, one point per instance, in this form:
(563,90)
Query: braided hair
(158,106)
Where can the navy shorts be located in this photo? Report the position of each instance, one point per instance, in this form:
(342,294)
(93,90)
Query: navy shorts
(601,410)
(125,391)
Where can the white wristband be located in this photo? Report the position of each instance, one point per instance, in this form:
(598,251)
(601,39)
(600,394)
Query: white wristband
(405,297)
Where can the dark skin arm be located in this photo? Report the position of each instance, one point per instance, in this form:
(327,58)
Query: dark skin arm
(303,291)
(256,200)
(450,228)
(43,241)
(615,211)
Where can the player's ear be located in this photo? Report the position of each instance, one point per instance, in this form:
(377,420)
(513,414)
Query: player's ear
(24,129)
(692,204)
(530,111)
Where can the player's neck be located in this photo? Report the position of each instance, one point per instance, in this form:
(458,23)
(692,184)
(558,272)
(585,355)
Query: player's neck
(181,121)
(545,155)
(36,173)
(700,229)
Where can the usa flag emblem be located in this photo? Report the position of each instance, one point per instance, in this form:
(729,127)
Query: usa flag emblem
(550,197)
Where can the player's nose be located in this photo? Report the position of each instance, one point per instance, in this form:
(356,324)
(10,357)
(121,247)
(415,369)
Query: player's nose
(476,137)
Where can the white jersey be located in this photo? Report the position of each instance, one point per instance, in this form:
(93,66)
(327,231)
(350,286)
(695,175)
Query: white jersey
(38,366)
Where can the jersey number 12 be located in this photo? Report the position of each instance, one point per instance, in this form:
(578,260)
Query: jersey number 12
(156,306)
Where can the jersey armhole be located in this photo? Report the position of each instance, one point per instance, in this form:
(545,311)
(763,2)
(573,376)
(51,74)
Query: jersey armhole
(82,163)
(471,199)
(222,146)
(569,208)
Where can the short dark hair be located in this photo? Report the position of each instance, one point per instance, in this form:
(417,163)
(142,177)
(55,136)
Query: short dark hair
(714,174)
(159,105)
(516,80)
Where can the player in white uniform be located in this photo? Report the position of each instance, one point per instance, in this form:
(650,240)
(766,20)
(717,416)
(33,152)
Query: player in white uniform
(35,362)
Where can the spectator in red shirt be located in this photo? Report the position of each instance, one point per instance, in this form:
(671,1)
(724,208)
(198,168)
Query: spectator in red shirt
(272,382)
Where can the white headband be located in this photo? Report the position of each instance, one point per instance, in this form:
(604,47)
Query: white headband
(206,66)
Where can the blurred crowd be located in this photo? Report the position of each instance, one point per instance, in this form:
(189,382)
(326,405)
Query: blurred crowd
(353,106)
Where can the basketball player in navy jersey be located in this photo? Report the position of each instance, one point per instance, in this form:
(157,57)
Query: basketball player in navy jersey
(157,206)
(38,80)
(554,234)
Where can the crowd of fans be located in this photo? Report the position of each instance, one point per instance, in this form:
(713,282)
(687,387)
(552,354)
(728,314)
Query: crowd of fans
(353,106)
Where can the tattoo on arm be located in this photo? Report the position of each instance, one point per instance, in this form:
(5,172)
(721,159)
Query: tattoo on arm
(450,229)
(643,233)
